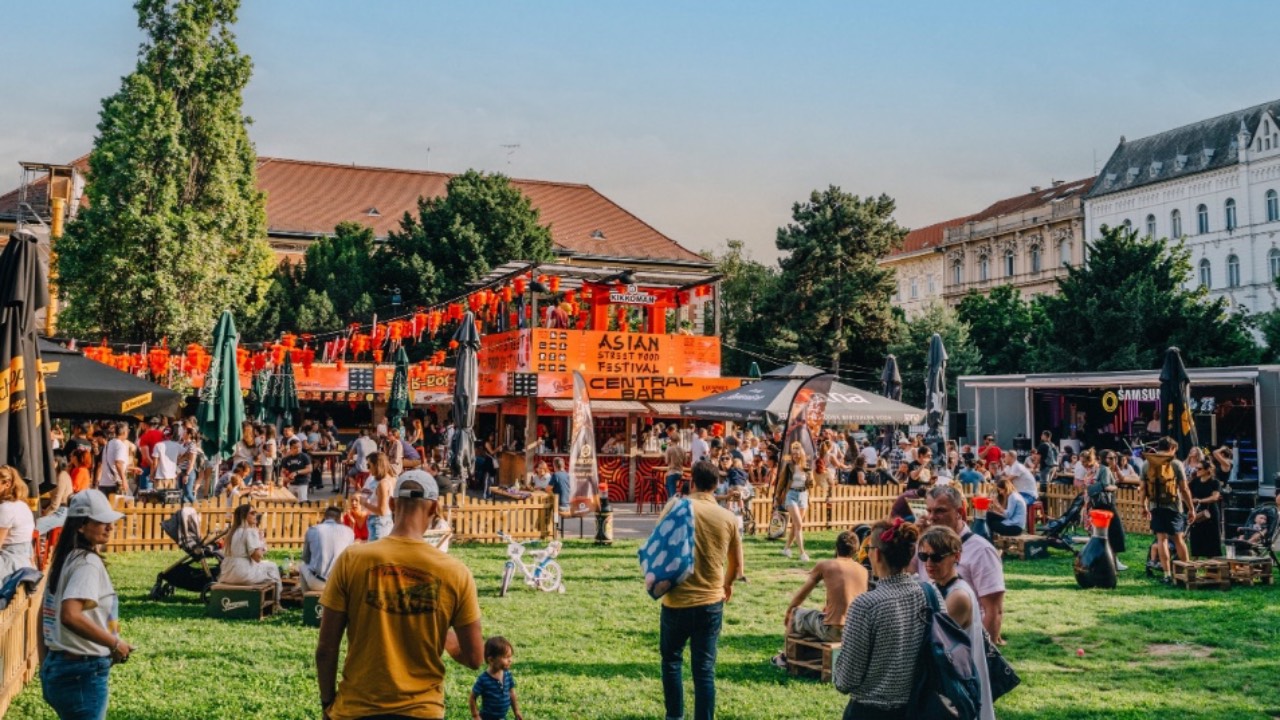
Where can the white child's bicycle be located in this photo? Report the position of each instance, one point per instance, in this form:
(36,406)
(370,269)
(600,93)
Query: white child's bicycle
(544,573)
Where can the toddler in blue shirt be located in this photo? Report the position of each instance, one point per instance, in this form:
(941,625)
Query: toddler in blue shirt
(495,688)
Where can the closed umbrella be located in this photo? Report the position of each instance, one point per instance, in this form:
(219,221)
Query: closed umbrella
(891,387)
(24,413)
(1175,403)
(935,405)
(466,392)
(221,411)
(398,401)
(258,396)
(284,393)
(754,371)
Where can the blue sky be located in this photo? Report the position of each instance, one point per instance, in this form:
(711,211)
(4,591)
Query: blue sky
(707,120)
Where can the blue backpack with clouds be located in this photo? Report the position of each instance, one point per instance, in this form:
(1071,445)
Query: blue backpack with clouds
(666,558)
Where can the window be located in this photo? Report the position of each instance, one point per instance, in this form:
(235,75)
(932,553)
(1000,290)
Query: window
(1233,271)
(915,288)
(1273,259)
(933,288)
(957,272)
(1035,258)
(1151,226)
(1273,206)
(983,268)
(1008,263)
(1231,214)
(1175,224)
(1206,274)
(1064,253)
(1202,219)
(1128,224)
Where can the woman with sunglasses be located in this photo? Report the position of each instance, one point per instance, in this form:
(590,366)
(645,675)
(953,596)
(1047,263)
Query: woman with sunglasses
(883,632)
(245,549)
(939,552)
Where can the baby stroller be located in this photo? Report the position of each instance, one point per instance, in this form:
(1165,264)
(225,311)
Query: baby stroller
(1056,529)
(198,570)
(1256,541)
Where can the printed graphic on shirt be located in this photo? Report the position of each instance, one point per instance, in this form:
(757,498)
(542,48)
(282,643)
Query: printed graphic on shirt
(402,590)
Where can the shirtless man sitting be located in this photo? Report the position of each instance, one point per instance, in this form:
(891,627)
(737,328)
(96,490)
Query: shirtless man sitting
(844,579)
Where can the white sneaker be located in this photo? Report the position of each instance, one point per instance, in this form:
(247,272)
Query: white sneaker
(1121,567)
(804,557)
(786,552)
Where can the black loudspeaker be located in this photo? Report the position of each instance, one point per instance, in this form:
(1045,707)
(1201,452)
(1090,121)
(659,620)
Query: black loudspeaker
(957,425)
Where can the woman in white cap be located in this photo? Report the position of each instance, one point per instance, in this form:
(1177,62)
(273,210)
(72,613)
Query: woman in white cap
(80,636)
(245,549)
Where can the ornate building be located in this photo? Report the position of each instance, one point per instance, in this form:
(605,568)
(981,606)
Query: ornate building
(918,267)
(1215,185)
(1027,241)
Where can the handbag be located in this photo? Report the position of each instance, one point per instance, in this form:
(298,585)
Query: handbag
(1000,674)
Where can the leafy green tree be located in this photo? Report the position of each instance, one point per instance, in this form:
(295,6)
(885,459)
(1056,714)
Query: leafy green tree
(482,222)
(745,288)
(175,230)
(831,300)
(1269,327)
(1005,329)
(911,346)
(1130,302)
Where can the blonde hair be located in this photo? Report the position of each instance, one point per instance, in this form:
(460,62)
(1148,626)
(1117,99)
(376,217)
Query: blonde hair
(12,487)
(798,449)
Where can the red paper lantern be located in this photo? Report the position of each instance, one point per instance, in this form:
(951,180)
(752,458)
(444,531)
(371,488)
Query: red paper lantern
(520,285)
(553,283)
(453,344)
(507,294)
(342,367)
(377,355)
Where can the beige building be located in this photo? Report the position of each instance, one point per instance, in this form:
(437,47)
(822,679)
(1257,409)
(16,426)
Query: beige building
(1027,241)
(918,267)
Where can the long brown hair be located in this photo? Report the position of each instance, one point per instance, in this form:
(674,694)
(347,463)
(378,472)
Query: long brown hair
(238,518)
(12,487)
(379,466)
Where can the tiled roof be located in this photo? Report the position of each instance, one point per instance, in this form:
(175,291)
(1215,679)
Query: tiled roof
(310,198)
(1034,199)
(926,238)
(1187,150)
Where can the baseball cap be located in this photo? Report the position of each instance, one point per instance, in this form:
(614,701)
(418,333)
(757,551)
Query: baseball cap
(416,484)
(94,505)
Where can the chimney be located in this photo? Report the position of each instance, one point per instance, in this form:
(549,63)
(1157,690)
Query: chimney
(1056,183)
(1035,188)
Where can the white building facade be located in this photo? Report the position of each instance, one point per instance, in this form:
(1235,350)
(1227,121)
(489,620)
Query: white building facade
(1215,185)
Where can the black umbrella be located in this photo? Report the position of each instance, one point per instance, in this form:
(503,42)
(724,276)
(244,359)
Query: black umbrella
(398,404)
(24,412)
(1175,403)
(891,379)
(80,387)
(935,404)
(466,392)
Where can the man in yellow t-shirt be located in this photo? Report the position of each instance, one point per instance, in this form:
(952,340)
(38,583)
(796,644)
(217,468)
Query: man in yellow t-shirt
(402,604)
(692,612)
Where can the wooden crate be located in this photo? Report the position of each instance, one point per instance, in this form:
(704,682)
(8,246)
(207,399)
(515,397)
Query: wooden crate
(1023,547)
(1198,574)
(811,657)
(312,610)
(1251,571)
(241,602)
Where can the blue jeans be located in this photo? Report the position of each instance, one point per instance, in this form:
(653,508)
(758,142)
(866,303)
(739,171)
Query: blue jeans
(673,484)
(380,526)
(700,628)
(144,480)
(75,689)
(187,484)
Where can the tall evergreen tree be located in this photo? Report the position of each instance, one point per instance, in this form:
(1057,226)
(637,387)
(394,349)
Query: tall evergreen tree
(482,222)
(832,297)
(175,230)
(911,346)
(1130,301)
(1005,329)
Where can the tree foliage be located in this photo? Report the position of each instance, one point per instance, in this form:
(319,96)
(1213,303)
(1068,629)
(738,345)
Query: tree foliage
(911,347)
(1006,330)
(1130,302)
(745,287)
(831,300)
(175,230)
(482,222)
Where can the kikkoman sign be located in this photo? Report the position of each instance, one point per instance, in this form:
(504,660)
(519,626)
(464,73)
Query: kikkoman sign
(633,296)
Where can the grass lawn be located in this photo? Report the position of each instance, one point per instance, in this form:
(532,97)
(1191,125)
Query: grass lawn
(1150,651)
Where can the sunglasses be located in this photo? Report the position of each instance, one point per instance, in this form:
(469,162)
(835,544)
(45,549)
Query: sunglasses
(933,557)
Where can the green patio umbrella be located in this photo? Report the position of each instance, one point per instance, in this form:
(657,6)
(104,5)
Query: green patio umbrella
(221,411)
(398,402)
(282,396)
(754,372)
(258,396)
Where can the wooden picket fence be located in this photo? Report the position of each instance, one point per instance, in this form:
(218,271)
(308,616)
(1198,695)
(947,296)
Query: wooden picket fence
(19,625)
(284,524)
(1059,497)
(838,507)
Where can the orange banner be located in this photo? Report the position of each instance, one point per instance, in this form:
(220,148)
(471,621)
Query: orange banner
(595,352)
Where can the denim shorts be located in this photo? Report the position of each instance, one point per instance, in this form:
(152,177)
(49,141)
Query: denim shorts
(797,498)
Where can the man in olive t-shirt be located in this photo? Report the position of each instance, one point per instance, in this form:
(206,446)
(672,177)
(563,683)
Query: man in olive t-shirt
(693,611)
(402,604)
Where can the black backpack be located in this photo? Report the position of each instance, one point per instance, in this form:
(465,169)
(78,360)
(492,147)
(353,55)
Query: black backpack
(947,685)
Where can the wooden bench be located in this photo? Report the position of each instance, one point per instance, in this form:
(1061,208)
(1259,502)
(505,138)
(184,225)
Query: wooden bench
(1198,574)
(1023,547)
(1250,571)
(811,657)
(241,602)
(312,610)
